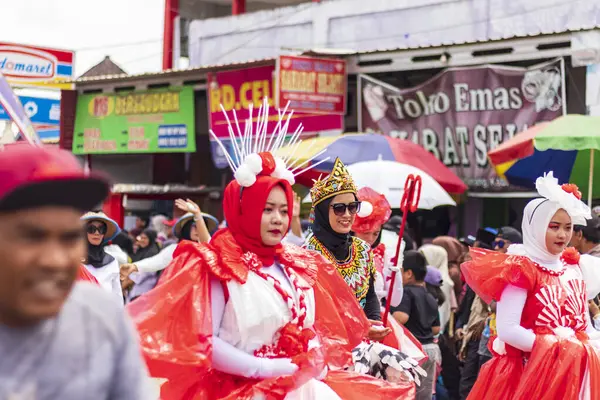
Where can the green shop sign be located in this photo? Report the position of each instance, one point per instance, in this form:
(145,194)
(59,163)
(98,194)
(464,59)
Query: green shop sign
(156,121)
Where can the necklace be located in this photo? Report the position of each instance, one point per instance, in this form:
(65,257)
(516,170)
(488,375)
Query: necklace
(551,271)
(320,247)
(292,338)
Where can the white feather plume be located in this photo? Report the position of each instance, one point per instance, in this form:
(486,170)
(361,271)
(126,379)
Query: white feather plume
(245,162)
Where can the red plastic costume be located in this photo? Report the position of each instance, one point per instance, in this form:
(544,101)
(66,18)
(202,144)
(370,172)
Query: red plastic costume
(556,368)
(175,319)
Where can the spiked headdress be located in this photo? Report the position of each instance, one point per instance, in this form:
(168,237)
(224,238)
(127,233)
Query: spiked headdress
(254,152)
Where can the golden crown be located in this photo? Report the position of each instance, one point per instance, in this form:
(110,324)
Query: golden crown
(338,182)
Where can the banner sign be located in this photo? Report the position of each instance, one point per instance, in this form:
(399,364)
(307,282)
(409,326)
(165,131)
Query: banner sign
(39,110)
(156,121)
(237,90)
(463,113)
(24,65)
(316,85)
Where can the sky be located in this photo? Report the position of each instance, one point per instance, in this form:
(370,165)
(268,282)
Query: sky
(129,31)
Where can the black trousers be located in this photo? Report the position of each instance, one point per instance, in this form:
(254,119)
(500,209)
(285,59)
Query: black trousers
(470,370)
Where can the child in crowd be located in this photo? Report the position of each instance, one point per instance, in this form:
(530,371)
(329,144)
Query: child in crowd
(418,311)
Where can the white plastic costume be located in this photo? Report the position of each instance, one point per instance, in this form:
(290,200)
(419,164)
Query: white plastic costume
(108,277)
(240,328)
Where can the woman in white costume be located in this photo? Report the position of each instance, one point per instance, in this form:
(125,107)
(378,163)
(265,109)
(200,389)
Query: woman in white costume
(104,267)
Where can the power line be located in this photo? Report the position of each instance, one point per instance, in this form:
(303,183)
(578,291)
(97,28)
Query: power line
(282,18)
(114,46)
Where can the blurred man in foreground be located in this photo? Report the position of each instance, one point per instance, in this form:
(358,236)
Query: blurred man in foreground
(58,339)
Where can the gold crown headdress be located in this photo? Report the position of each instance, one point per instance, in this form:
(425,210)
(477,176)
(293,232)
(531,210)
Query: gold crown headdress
(254,152)
(338,182)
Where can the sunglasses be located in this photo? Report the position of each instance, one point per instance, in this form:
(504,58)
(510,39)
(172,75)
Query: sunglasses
(499,244)
(339,209)
(91,229)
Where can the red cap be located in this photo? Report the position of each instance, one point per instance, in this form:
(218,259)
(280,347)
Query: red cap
(35,176)
(171,222)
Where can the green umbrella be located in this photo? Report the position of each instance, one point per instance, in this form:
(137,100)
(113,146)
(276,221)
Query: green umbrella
(565,145)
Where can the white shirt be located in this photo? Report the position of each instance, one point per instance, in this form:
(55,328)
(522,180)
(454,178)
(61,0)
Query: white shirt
(109,279)
(158,262)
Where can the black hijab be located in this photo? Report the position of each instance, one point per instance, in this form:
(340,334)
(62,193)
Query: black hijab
(151,250)
(97,257)
(337,243)
(186,230)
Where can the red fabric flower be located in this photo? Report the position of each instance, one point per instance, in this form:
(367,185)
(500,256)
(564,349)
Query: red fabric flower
(572,188)
(570,256)
(292,342)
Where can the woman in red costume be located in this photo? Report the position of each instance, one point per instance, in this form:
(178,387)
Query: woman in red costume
(249,318)
(546,347)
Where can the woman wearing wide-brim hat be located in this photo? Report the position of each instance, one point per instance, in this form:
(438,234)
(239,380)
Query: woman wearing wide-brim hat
(194,226)
(100,229)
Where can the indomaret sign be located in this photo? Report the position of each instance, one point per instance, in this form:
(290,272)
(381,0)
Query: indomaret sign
(462,113)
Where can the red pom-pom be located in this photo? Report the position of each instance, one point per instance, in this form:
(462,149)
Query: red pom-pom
(268,163)
(381,211)
(570,256)
(572,188)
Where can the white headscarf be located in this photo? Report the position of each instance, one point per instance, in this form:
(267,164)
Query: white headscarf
(437,257)
(537,216)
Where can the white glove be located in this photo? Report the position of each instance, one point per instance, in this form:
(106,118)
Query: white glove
(564,332)
(400,261)
(499,346)
(274,367)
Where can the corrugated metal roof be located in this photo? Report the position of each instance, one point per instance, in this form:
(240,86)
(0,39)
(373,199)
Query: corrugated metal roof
(158,74)
(471,42)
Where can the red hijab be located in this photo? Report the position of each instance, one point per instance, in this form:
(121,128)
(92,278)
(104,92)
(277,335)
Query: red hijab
(244,206)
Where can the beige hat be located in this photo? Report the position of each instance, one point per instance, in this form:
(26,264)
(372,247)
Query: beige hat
(112,228)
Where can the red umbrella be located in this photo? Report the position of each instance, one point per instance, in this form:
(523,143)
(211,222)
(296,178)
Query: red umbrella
(353,148)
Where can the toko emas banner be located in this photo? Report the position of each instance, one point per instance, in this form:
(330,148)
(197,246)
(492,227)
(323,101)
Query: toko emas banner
(462,113)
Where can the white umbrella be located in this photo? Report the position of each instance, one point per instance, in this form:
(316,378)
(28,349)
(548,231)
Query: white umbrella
(388,178)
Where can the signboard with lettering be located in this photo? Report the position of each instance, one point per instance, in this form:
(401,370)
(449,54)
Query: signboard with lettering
(39,110)
(312,84)
(156,121)
(25,65)
(462,113)
(238,89)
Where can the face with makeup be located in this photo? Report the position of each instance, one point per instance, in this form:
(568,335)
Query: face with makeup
(558,233)
(275,219)
(342,212)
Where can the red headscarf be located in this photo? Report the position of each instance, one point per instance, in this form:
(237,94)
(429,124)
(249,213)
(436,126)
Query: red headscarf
(243,209)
